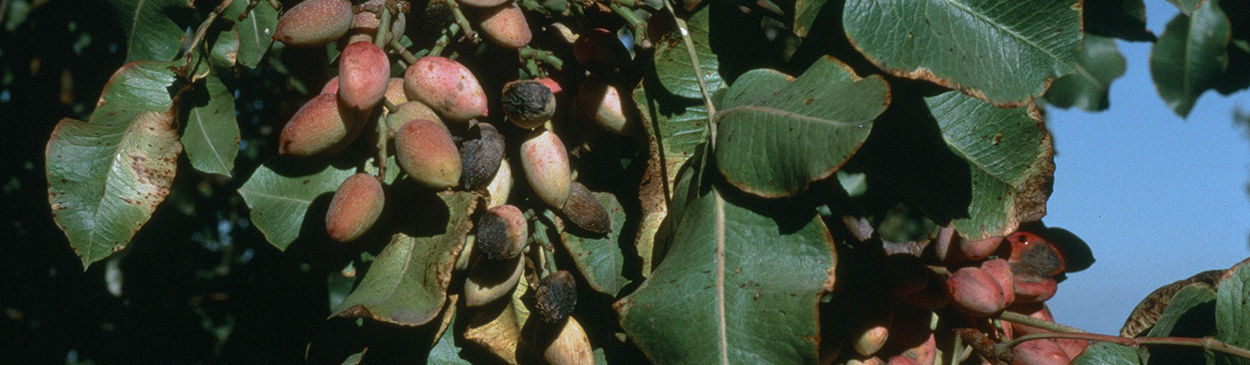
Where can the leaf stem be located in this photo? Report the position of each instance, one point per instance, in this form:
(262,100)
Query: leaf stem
(403,52)
(462,21)
(1014,317)
(199,33)
(543,56)
(638,26)
(383,132)
(698,74)
(383,35)
(1206,343)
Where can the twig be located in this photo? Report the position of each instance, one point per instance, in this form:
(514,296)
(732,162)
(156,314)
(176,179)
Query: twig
(1206,343)
(1034,322)
(544,56)
(638,25)
(382,37)
(403,52)
(462,21)
(698,74)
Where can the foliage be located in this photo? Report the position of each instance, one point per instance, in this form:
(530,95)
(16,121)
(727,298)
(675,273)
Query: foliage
(723,225)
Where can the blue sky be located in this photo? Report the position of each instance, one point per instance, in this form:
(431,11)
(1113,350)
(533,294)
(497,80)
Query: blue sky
(1158,198)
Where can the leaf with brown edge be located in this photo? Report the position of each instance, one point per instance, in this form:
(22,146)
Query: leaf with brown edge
(105,180)
(407,282)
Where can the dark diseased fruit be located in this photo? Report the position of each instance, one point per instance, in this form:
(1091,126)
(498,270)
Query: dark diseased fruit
(501,233)
(426,152)
(585,211)
(355,207)
(320,127)
(314,23)
(556,297)
(1031,254)
(364,74)
(480,158)
(528,103)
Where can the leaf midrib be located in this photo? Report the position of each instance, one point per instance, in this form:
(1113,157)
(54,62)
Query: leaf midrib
(1013,33)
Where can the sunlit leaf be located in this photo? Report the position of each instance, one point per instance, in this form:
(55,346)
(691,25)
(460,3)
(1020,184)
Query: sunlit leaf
(225,51)
(135,88)
(1099,64)
(774,137)
(599,257)
(741,281)
(672,60)
(1010,163)
(105,180)
(1191,56)
(212,134)
(151,33)
(407,283)
(1003,53)
(279,201)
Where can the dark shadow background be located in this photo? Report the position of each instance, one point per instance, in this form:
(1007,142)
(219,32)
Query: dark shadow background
(199,285)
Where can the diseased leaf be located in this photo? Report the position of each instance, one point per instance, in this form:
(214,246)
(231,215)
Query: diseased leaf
(1106,353)
(1190,56)
(675,128)
(1185,304)
(1148,311)
(1124,19)
(672,60)
(407,283)
(135,88)
(151,33)
(775,138)
(1099,64)
(735,284)
(106,179)
(1009,161)
(498,330)
(1232,311)
(225,51)
(255,29)
(1003,53)
(599,258)
(212,134)
(279,202)
(805,12)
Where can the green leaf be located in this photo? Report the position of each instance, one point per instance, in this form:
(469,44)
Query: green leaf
(805,12)
(407,282)
(672,60)
(225,50)
(1190,56)
(279,202)
(1100,63)
(151,33)
(355,359)
(445,351)
(106,179)
(735,284)
(1186,302)
(774,139)
(1004,53)
(1009,162)
(212,134)
(1106,353)
(135,88)
(1187,7)
(599,258)
(1232,311)
(255,29)
(1124,19)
